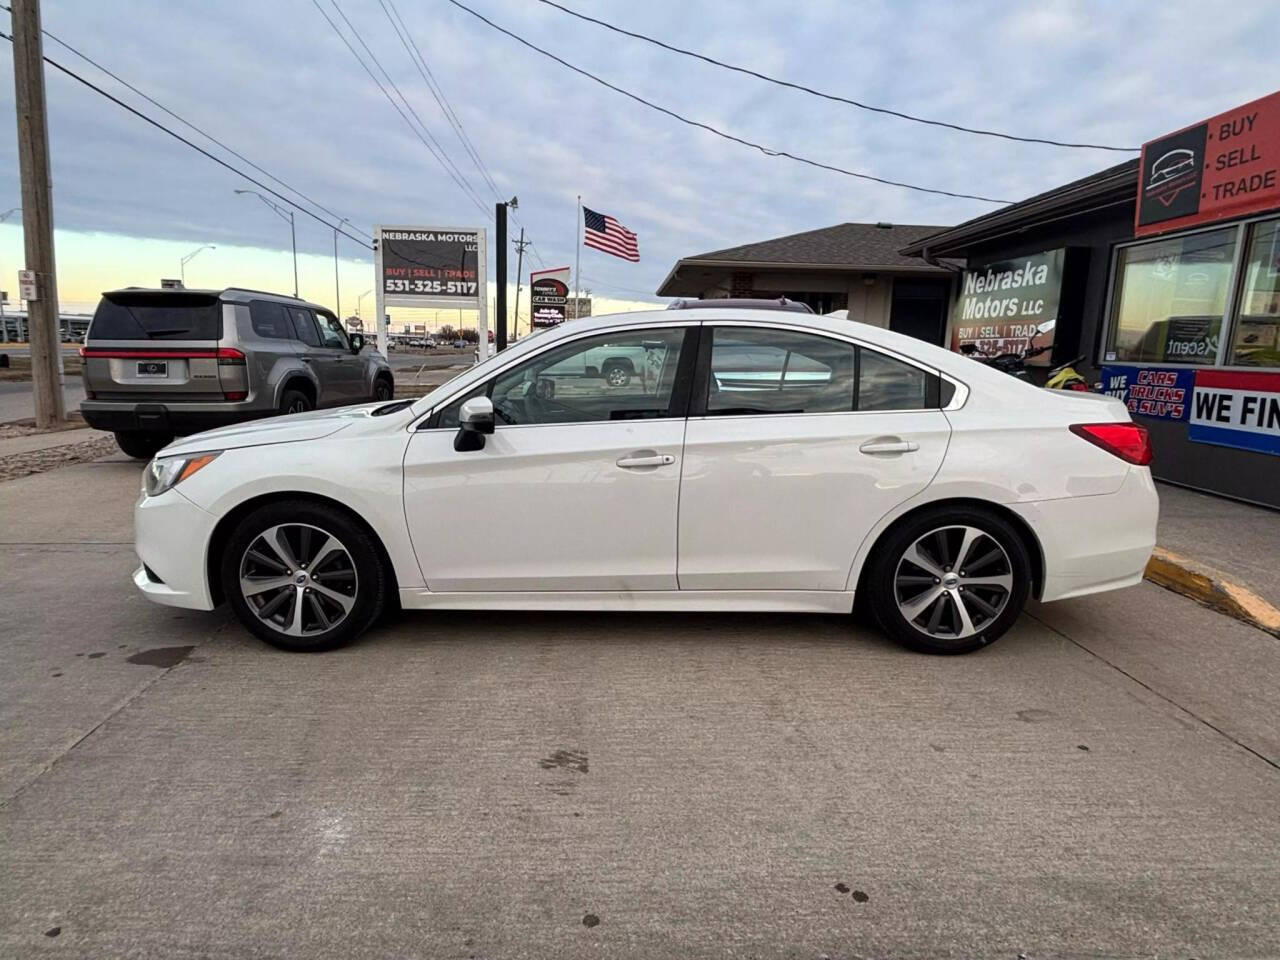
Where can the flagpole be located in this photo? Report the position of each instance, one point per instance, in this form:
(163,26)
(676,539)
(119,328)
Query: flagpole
(577,258)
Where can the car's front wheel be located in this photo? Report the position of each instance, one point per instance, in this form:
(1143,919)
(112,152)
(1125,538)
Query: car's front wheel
(617,375)
(303,576)
(950,580)
(142,444)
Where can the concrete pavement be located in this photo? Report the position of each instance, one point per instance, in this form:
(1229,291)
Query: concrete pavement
(1102,782)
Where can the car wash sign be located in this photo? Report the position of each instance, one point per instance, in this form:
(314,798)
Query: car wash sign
(549,293)
(430,266)
(1226,166)
(1234,409)
(1003,307)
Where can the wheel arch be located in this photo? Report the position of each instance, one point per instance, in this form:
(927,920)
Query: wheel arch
(299,379)
(223,530)
(1035,551)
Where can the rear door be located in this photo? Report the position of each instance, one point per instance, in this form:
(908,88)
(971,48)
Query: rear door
(154,346)
(797,444)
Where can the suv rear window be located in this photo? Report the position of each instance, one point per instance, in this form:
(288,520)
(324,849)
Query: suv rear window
(150,316)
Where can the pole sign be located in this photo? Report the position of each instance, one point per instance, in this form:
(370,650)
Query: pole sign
(1234,409)
(27,285)
(1001,305)
(1226,166)
(432,267)
(548,292)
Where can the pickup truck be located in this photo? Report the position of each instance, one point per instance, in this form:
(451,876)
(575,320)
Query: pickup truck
(616,365)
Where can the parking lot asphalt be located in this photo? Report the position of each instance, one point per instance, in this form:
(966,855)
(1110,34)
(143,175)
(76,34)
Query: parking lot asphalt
(1102,782)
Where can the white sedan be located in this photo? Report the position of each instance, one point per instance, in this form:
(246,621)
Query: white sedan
(755,460)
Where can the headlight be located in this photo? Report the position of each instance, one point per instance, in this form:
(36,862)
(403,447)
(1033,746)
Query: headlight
(165,472)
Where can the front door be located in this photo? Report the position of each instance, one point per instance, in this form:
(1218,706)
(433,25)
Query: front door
(797,444)
(577,488)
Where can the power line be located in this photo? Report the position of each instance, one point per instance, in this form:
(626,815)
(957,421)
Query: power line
(767,151)
(199,149)
(432,150)
(611,286)
(831,96)
(187,123)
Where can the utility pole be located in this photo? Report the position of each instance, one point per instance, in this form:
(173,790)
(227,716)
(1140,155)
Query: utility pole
(337,293)
(519,245)
(37,212)
(500,256)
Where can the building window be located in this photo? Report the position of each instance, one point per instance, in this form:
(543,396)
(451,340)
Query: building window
(1256,341)
(1170,297)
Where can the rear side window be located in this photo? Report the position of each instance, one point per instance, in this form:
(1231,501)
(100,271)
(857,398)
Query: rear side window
(151,316)
(304,327)
(885,383)
(269,320)
(779,371)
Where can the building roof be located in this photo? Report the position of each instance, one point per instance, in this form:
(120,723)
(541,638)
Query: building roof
(844,247)
(1118,184)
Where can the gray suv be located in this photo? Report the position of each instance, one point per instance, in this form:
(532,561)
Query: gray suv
(162,363)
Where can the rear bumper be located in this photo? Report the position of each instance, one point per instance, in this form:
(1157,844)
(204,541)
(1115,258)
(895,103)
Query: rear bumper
(171,537)
(1095,543)
(172,418)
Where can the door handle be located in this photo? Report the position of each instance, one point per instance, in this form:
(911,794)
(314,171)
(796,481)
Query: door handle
(889,445)
(306,359)
(647,460)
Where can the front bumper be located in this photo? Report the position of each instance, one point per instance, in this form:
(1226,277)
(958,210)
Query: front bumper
(171,537)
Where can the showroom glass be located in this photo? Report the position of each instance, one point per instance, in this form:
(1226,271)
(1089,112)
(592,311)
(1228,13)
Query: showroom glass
(1170,297)
(614,376)
(1256,342)
(761,372)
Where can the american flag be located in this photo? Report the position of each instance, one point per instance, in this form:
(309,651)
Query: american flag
(606,234)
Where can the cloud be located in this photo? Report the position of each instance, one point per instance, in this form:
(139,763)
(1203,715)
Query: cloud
(273,81)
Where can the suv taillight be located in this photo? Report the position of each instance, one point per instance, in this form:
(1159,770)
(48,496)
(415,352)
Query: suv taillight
(229,357)
(1128,441)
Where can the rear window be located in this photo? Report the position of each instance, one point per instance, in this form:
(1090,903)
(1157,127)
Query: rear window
(148,316)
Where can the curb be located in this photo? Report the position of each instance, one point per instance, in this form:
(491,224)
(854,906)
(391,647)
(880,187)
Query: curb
(1206,586)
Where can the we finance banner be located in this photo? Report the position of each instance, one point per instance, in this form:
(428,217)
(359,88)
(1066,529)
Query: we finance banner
(1234,409)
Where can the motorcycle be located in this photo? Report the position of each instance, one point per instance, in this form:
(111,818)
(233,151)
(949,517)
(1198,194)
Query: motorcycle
(1062,377)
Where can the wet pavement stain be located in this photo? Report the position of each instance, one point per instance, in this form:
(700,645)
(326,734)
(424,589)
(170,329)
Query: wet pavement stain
(1081,746)
(842,888)
(590,920)
(565,759)
(53,932)
(860,897)
(161,656)
(95,656)
(1034,715)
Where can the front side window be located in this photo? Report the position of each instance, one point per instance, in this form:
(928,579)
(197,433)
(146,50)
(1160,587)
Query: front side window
(334,335)
(304,327)
(1170,297)
(1256,342)
(616,376)
(758,371)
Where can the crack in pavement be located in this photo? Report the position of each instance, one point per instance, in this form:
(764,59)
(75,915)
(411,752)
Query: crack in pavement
(1146,686)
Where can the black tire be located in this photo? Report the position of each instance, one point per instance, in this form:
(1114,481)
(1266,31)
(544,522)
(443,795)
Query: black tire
(142,444)
(616,375)
(936,536)
(366,584)
(295,401)
(383,390)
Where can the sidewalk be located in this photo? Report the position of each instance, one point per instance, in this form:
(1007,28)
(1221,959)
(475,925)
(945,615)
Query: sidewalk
(1219,552)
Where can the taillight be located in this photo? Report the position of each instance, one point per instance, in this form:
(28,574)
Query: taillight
(229,357)
(1128,441)
(1079,386)
(235,396)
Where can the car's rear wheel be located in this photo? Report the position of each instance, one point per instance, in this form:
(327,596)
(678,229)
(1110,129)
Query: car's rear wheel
(383,389)
(617,375)
(303,576)
(951,580)
(142,444)
(295,401)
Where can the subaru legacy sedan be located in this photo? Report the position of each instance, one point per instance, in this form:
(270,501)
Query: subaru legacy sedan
(751,460)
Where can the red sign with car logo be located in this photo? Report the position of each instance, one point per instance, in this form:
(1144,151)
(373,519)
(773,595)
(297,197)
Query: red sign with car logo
(1226,166)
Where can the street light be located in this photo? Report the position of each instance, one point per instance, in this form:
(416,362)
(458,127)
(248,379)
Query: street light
(182,266)
(8,213)
(337,295)
(359,299)
(293,236)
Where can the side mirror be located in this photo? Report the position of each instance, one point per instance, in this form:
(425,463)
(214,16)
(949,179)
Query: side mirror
(357,342)
(475,420)
(1047,326)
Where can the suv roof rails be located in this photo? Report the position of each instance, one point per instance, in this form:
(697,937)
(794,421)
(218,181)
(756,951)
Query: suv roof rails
(742,303)
(269,293)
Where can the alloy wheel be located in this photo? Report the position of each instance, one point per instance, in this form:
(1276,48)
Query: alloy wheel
(617,377)
(298,579)
(298,406)
(953,582)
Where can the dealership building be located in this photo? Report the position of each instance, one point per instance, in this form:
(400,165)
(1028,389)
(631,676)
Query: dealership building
(1164,274)
(851,266)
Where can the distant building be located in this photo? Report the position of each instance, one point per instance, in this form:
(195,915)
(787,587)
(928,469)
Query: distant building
(850,266)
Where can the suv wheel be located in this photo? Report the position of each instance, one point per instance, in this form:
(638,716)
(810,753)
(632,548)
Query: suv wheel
(295,401)
(303,576)
(950,580)
(617,375)
(382,389)
(142,444)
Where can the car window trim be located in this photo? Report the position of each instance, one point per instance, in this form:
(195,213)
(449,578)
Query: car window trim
(429,418)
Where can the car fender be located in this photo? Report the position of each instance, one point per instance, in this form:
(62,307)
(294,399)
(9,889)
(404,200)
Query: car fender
(285,369)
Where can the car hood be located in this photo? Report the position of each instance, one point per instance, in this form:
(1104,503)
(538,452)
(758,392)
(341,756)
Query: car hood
(311,425)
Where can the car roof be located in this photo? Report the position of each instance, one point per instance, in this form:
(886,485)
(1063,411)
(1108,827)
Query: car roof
(226,294)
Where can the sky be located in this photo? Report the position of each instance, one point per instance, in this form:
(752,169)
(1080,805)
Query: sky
(272,80)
